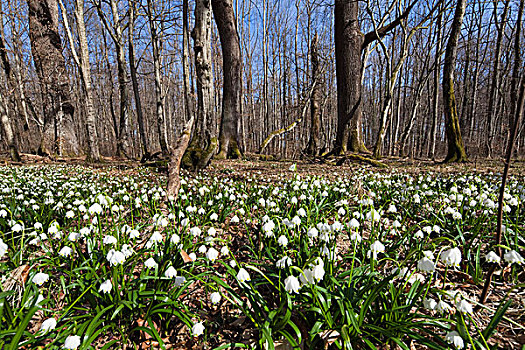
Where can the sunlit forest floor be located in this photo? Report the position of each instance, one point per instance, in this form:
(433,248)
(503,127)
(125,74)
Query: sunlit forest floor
(260,254)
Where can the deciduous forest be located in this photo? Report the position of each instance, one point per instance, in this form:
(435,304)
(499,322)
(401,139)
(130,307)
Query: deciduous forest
(270,174)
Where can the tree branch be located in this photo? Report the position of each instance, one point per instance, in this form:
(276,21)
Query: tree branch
(384,30)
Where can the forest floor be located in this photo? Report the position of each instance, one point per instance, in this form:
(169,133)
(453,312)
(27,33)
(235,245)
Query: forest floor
(227,325)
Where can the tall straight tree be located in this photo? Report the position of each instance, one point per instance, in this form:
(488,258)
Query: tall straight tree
(83,64)
(159,95)
(115,31)
(349,43)
(4,112)
(455,147)
(232,85)
(58,136)
(204,142)
(135,82)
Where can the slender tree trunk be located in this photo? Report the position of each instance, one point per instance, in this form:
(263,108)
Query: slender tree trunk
(435,92)
(8,129)
(493,94)
(456,149)
(135,83)
(155,43)
(315,108)
(58,132)
(82,60)
(232,84)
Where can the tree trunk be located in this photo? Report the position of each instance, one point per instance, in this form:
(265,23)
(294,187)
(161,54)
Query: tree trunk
(155,43)
(135,83)
(348,42)
(456,149)
(204,142)
(93,152)
(232,84)
(58,135)
(315,108)
(493,94)
(8,129)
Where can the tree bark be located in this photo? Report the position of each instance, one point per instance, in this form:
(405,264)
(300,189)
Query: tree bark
(8,129)
(58,135)
(204,141)
(232,84)
(456,149)
(135,83)
(493,94)
(159,96)
(83,64)
(348,42)
(315,108)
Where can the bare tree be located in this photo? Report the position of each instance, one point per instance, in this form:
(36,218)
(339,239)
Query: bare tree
(204,142)
(83,64)
(456,149)
(232,68)
(58,135)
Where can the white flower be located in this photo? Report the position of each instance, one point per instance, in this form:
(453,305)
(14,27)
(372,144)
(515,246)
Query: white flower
(40,278)
(95,209)
(243,275)
(492,257)
(318,272)
(419,234)
(225,250)
(235,219)
(66,251)
(70,214)
(356,237)
(426,265)
(192,256)
(48,325)
(115,257)
(195,231)
(175,239)
(3,213)
(375,248)
(151,263)
(429,303)
(313,232)
(454,339)
(353,223)
(105,287)
(291,284)
(443,307)
(307,277)
(197,329)
(513,257)
(17,228)
(301,212)
(283,241)
(284,262)
(134,234)
(293,167)
(212,254)
(451,257)
(373,215)
(109,240)
(3,248)
(464,306)
(203,249)
(72,342)
(179,281)
(170,272)
(215,297)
